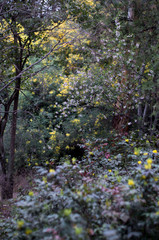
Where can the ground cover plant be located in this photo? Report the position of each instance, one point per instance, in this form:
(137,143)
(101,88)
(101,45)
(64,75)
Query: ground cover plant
(94,198)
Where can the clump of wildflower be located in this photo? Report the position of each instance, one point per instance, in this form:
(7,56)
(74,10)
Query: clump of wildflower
(149,160)
(52,133)
(143,177)
(147,166)
(67,212)
(78,230)
(51,171)
(91,153)
(76,121)
(31,193)
(28,231)
(73,160)
(145,154)
(136,151)
(44,179)
(20,224)
(131,182)
(154,151)
(156,179)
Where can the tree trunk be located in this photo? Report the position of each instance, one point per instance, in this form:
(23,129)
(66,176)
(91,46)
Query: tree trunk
(3,168)
(2,156)
(8,184)
(7,187)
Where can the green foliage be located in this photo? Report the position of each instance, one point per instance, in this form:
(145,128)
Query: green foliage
(91,199)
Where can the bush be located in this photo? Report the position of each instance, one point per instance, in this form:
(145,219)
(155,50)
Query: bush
(91,199)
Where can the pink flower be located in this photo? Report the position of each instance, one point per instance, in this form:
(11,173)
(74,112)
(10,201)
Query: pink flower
(107,155)
(105,144)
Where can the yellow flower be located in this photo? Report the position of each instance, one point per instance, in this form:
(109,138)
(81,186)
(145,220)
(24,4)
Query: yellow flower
(149,160)
(109,170)
(105,176)
(31,193)
(20,223)
(40,141)
(131,182)
(57,149)
(108,203)
(44,179)
(76,121)
(28,231)
(79,193)
(114,63)
(97,103)
(67,134)
(67,212)
(91,153)
(136,151)
(67,147)
(88,144)
(155,179)
(143,177)
(154,151)
(139,162)
(52,133)
(126,140)
(147,166)
(51,171)
(78,230)
(73,160)
(27,142)
(145,154)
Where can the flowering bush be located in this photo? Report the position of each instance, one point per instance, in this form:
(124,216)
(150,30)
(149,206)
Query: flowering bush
(96,198)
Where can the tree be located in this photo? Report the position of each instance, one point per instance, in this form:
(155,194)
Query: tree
(24,27)
(124,41)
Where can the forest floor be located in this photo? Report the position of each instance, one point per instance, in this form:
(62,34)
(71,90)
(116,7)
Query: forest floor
(23,183)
